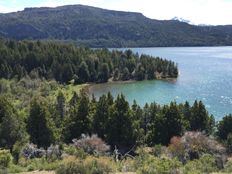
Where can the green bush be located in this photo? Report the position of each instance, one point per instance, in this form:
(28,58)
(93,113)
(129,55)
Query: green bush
(148,164)
(3,171)
(15,169)
(206,164)
(228,167)
(158,150)
(5,158)
(72,167)
(77,152)
(97,167)
(37,164)
(16,152)
(89,167)
(160,166)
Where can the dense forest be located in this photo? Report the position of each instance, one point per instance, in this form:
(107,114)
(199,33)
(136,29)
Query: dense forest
(111,119)
(66,63)
(48,121)
(80,126)
(95,27)
(63,118)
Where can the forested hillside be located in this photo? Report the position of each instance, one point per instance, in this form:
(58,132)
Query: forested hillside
(48,122)
(43,127)
(64,63)
(97,27)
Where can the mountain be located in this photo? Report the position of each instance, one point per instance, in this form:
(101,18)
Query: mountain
(96,27)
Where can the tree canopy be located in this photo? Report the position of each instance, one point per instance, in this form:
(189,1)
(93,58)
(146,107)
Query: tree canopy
(63,62)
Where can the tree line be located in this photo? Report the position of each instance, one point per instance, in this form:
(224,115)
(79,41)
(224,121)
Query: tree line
(112,119)
(67,63)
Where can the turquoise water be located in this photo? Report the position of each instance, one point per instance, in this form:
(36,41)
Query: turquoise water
(205,74)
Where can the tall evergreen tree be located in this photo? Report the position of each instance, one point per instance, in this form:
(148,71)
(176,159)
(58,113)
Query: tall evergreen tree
(12,127)
(101,117)
(105,74)
(200,118)
(79,120)
(120,130)
(83,72)
(39,124)
(224,127)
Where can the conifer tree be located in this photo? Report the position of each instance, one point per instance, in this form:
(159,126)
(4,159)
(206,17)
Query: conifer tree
(39,124)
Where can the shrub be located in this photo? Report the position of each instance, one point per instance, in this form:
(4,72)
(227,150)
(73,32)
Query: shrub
(158,150)
(206,164)
(177,149)
(16,151)
(15,169)
(77,152)
(37,164)
(5,158)
(192,145)
(30,151)
(98,167)
(92,145)
(228,167)
(53,153)
(3,171)
(71,168)
(145,163)
(126,166)
(153,165)
(84,167)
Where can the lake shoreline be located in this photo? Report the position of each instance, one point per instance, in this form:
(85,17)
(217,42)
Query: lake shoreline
(88,87)
(204,74)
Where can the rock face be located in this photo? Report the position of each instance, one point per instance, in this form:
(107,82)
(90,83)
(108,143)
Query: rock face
(97,27)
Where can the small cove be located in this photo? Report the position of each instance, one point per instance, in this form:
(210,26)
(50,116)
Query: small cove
(205,74)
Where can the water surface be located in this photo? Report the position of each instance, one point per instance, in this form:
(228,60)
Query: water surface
(205,74)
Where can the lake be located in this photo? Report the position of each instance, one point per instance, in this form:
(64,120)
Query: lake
(205,74)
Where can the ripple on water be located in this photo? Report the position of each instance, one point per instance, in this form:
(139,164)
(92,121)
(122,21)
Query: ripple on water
(206,75)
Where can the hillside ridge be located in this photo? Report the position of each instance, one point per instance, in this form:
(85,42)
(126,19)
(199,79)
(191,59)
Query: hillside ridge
(97,27)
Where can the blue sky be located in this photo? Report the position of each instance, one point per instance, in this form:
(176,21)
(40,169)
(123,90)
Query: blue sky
(214,12)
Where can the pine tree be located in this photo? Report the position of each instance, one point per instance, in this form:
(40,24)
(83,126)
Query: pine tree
(138,131)
(105,74)
(12,128)
(79,120)
(101,117)
(200,118)
(120,130)
(83,72)
(224,127)
(39,125)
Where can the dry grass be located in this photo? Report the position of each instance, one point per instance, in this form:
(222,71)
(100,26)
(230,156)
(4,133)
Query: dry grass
(39,172)
(43,172)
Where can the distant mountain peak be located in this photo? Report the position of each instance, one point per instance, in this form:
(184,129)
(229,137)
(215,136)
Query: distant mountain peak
(182,20)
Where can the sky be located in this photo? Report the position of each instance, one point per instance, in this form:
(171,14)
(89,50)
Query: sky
(210,12)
